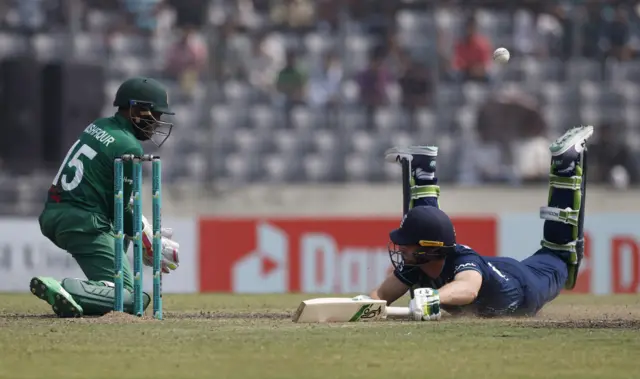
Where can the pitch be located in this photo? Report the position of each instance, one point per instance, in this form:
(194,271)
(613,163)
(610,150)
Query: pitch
(227,336)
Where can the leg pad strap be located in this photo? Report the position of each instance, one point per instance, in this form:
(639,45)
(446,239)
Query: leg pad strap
(570,247)
(567,215)
(419,192)
(571,182)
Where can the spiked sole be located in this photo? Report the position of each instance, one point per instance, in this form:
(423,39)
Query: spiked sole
(393,153)
(61,305)
(571,138)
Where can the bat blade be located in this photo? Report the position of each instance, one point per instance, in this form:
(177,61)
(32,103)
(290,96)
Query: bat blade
(338,309)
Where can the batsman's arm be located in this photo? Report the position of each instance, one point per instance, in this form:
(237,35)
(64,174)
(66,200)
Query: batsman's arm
(390,290)
(462,290)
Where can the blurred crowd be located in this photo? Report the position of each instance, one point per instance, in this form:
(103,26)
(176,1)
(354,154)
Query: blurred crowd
(348,78)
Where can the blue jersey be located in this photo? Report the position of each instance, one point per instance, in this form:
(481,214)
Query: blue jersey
(504,290)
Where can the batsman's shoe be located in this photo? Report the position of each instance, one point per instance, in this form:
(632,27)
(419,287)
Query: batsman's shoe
(567,150)
(50,290)
(422,159)
(564,228)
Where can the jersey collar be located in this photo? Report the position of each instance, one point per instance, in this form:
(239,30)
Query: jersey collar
(123,122)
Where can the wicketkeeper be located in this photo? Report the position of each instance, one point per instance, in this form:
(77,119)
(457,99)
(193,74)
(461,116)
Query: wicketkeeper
(78,213)
(443,274)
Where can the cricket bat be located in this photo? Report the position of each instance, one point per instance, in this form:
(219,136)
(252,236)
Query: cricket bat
(341,309)
(406,193)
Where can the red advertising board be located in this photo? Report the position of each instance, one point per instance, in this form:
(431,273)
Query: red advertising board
(330,255)
(611,263)
(625,262)
(620,272)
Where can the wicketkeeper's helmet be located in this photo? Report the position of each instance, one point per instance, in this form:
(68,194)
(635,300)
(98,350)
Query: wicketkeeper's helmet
(152,98)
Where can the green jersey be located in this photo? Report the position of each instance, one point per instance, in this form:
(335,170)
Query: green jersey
(85,179)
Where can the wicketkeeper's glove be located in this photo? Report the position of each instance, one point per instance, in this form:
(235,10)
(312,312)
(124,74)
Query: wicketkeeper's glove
(425,305)
(170,255)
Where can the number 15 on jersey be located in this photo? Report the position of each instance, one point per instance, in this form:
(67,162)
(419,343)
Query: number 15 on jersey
(74,162)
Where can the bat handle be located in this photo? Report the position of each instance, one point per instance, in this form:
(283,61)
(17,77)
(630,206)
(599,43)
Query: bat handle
(406,185)
(398,312)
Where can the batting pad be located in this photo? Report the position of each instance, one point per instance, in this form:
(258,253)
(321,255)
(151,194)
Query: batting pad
(339,309)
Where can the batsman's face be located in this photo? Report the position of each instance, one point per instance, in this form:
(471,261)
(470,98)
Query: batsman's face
(433,268)
(409,254)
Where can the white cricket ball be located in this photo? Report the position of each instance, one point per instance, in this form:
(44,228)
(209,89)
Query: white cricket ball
(501,55)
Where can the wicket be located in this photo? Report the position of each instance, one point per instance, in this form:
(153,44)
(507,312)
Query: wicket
(136,194)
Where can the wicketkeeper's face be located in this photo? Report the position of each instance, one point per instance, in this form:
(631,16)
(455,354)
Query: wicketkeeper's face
(149,123)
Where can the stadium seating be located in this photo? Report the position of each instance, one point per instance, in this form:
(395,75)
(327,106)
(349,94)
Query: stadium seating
(231,133)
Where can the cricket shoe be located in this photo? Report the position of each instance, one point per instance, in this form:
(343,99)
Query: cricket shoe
(568,159)
(566,151)
(50,290)
(422,159)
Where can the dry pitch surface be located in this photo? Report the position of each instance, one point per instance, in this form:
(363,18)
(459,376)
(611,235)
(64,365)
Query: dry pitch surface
(252,337)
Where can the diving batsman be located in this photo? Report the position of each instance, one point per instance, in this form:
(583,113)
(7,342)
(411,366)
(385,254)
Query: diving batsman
(445,275)
(78,212)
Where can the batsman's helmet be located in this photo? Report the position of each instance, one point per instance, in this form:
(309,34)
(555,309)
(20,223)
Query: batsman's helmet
(152,98)
(428,228)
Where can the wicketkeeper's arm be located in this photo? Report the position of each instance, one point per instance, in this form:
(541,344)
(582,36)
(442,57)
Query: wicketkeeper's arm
(127,187)
(126,190)
(128,220)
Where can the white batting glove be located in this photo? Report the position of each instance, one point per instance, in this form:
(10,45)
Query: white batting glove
(425,305)
(362,297)
(170,248)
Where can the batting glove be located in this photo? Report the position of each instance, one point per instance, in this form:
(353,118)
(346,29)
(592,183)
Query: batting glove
(170,258)
(362,297)
(425,305)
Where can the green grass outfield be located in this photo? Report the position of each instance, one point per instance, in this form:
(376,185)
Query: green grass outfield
(251,337)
